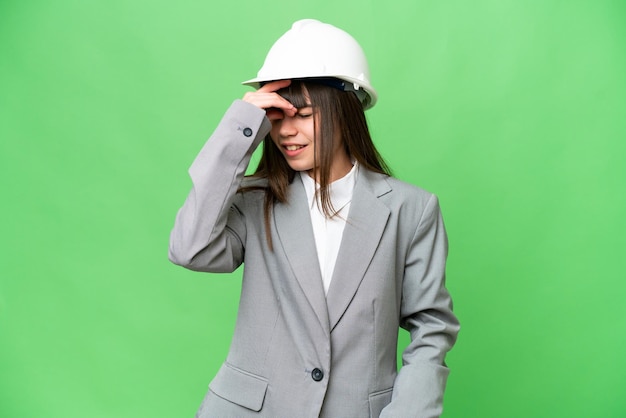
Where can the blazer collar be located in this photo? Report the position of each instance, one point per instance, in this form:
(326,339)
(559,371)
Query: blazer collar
(361,236)
(293,227)
(363,231)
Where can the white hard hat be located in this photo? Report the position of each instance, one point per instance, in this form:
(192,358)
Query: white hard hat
(312,49)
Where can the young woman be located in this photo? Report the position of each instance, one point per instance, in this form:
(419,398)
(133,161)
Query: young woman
(337,253)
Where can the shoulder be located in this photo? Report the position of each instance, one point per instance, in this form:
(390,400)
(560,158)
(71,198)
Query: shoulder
(408,189)
(393,188)
(253,182)
(408,203)
(417,202)
(251,191)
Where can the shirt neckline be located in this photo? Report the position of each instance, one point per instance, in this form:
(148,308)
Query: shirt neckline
(340,189)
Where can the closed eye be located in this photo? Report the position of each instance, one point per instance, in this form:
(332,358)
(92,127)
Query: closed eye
(305,112)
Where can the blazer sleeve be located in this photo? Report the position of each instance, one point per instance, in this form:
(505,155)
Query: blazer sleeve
(209,231)
(426,312)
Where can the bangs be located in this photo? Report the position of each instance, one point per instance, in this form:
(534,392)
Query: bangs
(296,94)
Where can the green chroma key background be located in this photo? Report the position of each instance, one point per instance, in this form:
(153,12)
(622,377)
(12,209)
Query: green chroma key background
(515,110)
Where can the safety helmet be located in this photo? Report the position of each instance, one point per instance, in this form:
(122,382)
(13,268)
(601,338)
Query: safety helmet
(312,49)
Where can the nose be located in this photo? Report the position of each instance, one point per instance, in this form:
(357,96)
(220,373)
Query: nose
(287,127)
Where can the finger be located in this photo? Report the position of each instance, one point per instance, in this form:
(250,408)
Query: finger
(268,100)
(273,86)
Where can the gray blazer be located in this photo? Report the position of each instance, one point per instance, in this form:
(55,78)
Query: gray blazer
(299,353)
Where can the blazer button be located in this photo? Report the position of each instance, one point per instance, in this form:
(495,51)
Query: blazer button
(247,132)
(317,374)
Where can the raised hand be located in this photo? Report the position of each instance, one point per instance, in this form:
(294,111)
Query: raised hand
(274,104)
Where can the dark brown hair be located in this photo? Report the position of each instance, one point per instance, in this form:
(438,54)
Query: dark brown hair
(341,118)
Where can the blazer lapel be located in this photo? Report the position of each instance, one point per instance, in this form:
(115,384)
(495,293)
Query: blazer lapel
(293,226)
(364,228)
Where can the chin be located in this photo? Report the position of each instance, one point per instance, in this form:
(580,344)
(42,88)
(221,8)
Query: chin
(300,167)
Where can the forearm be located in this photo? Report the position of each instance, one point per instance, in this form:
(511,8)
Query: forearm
(426,312)
(200,239)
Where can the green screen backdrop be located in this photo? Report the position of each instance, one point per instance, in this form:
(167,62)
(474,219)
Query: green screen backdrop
(515,110)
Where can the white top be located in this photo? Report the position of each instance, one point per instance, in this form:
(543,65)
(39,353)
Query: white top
(328,232)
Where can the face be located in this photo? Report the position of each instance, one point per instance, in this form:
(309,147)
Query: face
(295,138)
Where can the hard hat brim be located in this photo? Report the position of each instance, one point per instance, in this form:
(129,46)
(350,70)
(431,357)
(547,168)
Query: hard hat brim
(368,102)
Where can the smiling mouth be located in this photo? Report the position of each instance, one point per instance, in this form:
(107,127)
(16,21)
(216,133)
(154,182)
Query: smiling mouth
(293,147)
